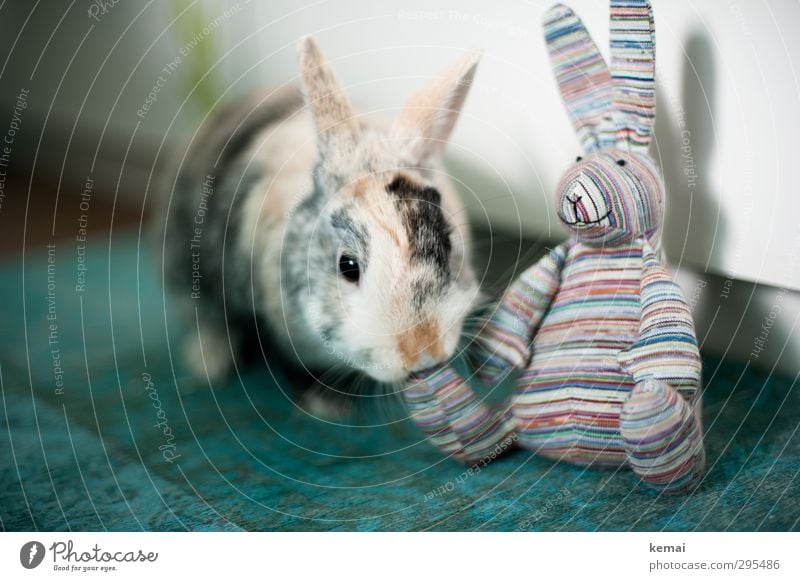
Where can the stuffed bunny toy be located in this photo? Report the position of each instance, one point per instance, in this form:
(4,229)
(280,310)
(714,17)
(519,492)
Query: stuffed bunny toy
(606,362)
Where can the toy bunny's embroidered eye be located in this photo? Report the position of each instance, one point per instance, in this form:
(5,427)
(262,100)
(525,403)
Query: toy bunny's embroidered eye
(349,269)
(579,158)
(621,162)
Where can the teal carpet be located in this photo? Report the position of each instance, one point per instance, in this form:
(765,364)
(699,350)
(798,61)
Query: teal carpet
(131,443)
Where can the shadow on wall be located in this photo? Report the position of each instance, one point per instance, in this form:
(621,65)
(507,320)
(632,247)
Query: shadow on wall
(685,142)
(744,321)
(733,318)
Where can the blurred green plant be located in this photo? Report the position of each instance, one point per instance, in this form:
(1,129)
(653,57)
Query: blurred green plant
(198,72)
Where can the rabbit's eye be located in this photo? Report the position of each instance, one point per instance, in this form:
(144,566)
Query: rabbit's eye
(621,162)
(349,269)
(579,158)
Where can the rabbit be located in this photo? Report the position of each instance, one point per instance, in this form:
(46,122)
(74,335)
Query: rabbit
(334,236)
(605,361)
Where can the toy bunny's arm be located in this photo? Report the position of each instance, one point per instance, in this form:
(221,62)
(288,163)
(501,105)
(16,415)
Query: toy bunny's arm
(667,346)
(502,343)
(444,406)
(454,418)
(660,422)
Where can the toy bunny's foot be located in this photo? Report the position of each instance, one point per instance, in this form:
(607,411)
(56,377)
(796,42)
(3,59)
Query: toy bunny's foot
(663,437)
(455,419)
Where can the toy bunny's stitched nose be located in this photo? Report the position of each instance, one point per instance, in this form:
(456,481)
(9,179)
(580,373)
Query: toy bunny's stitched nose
(583,204)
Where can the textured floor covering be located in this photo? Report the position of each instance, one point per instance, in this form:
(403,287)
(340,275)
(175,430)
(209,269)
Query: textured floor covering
(245,457)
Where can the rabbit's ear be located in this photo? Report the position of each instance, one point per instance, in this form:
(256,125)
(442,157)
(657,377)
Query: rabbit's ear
(330,107)
(429,115)
(582,76)
(633,61)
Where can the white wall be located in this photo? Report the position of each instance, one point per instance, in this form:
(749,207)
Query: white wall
(728,91)
(726,70)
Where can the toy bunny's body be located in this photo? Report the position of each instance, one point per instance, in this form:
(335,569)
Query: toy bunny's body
(569,399)
(608,369)
(576,351)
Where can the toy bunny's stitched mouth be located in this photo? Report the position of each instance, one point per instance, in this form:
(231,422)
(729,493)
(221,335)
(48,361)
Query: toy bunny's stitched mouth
(580,222)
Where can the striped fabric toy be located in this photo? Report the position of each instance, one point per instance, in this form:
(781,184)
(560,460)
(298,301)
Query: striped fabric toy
(598,336)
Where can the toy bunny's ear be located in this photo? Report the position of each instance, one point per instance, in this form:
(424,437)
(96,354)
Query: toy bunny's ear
(582,76)
(330,107)
(428,117)
(633,60)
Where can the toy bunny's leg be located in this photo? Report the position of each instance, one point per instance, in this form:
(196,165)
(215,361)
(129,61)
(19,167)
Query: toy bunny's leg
(452,416)
(660,422)
(662,434)
(502,342)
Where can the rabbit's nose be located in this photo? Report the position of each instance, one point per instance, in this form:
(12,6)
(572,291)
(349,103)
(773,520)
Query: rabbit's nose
(420,346)
(424,361)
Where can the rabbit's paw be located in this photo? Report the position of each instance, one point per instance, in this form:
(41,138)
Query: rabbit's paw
(328,408)
(207,355)
(662,436)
